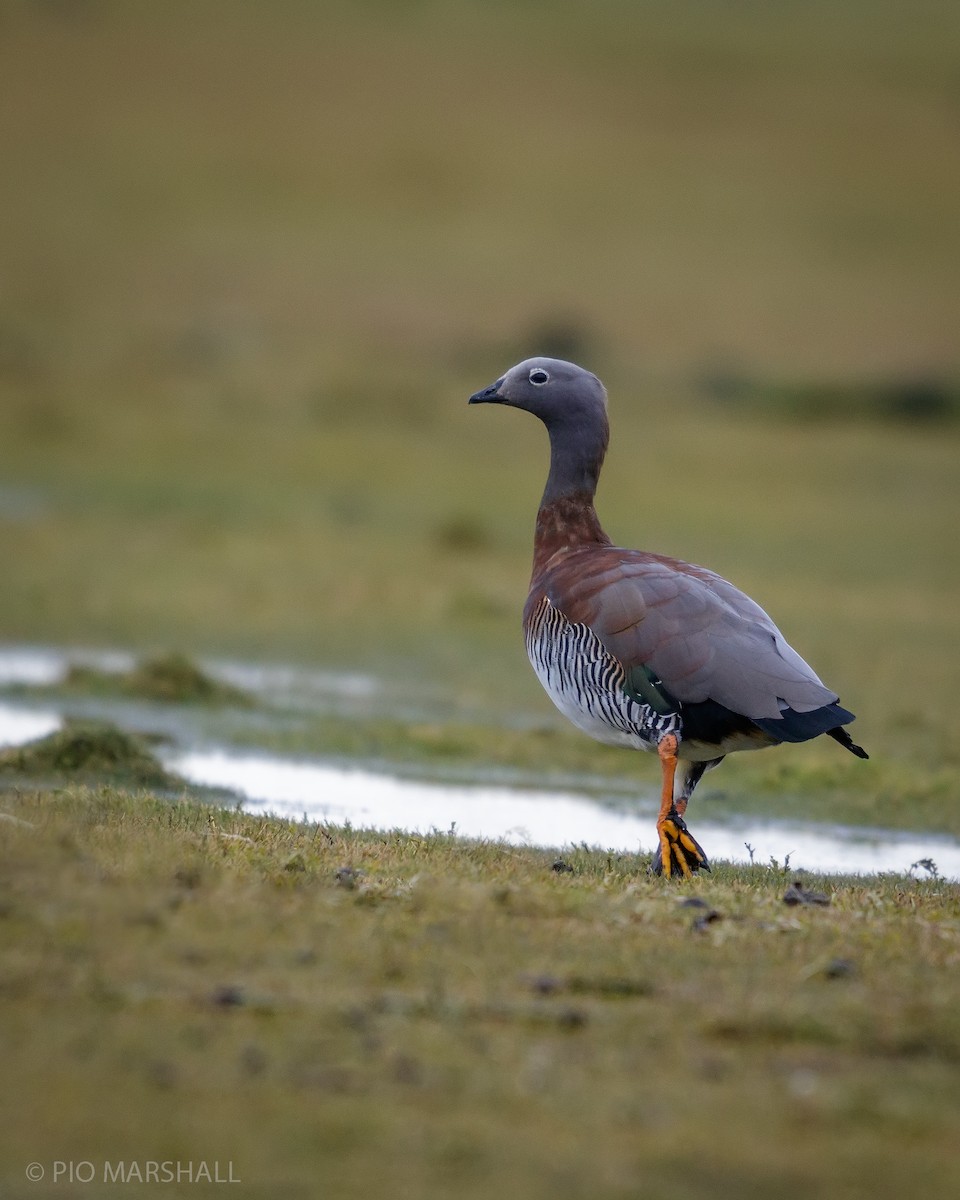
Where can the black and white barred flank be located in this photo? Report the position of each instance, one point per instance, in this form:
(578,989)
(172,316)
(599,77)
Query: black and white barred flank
(586,682)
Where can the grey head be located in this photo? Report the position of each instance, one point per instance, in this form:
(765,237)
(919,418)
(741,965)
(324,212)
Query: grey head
(572,403)
(551,389)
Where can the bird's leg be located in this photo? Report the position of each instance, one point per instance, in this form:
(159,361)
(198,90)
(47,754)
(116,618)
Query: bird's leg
(687,779)
(678,852)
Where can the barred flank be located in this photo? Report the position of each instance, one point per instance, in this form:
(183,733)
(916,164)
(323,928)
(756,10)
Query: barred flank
(578,672)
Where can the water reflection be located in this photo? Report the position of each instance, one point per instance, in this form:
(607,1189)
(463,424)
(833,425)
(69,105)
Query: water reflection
(363,798)
(287,687)
(19,725)
(31,665)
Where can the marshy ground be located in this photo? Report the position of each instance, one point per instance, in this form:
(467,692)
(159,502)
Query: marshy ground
(253,259)
(421,1015)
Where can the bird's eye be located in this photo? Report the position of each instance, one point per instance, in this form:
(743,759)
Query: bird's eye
(538,377)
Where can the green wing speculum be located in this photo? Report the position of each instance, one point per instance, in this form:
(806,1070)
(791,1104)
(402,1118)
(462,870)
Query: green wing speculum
(643,686)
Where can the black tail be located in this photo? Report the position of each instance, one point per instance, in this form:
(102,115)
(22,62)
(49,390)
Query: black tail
(792,726)
(840,735)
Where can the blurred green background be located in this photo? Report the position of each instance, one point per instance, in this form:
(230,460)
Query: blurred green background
(254,257)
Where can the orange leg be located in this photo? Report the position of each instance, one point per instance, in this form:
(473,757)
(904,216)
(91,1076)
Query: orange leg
(667,749)
(680,853)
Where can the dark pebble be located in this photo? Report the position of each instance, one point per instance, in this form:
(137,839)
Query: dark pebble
(546,985)
(796,893)
(572,1018)
(840,968)
(229,996)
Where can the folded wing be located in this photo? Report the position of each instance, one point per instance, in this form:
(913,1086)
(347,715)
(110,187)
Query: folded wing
(697,633)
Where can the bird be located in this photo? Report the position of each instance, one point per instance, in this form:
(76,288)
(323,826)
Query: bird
(642,650)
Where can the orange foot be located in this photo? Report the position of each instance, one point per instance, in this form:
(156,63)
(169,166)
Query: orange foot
(679,852)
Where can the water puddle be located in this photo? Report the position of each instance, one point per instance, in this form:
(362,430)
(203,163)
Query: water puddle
(478,808)
(19,725)
(34,666)
(364,799)
(287,688)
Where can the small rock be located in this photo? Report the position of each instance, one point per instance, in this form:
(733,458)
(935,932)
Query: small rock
(692,902)
(561,867)
(347,877)
(701,923)
(572,1018)
(546,985)
(228,996)
(796,893)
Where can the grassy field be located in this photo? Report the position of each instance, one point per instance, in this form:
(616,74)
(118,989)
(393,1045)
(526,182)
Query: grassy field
(244,296)
(419,1016)
(253,259)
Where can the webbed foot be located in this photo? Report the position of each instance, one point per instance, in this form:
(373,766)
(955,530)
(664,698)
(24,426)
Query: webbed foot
(679,853)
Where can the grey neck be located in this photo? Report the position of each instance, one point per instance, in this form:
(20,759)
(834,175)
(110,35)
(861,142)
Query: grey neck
(577,451)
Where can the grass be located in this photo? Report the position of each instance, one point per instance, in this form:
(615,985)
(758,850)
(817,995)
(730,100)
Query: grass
(845,534)
(421,1015)
(253,259)
(85,750)
(232,412)
(170,678)
(429,735)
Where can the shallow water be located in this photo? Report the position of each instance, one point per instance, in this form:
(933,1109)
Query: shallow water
(287,687)
(34,665)
(367,798)
(19,725)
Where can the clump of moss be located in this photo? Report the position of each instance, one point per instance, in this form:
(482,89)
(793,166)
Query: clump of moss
(175,678)
(168,678)
(86,749)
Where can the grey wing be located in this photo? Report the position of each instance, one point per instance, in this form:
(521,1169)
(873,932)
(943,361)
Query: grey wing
(703,637)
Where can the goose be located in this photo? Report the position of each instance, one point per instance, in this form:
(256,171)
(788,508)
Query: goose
(643,650)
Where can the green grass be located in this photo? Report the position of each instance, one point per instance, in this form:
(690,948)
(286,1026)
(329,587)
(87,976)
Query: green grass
(85,750)
(165,678)
(814,783)
(422,1016)
(232,400)
(253,259)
